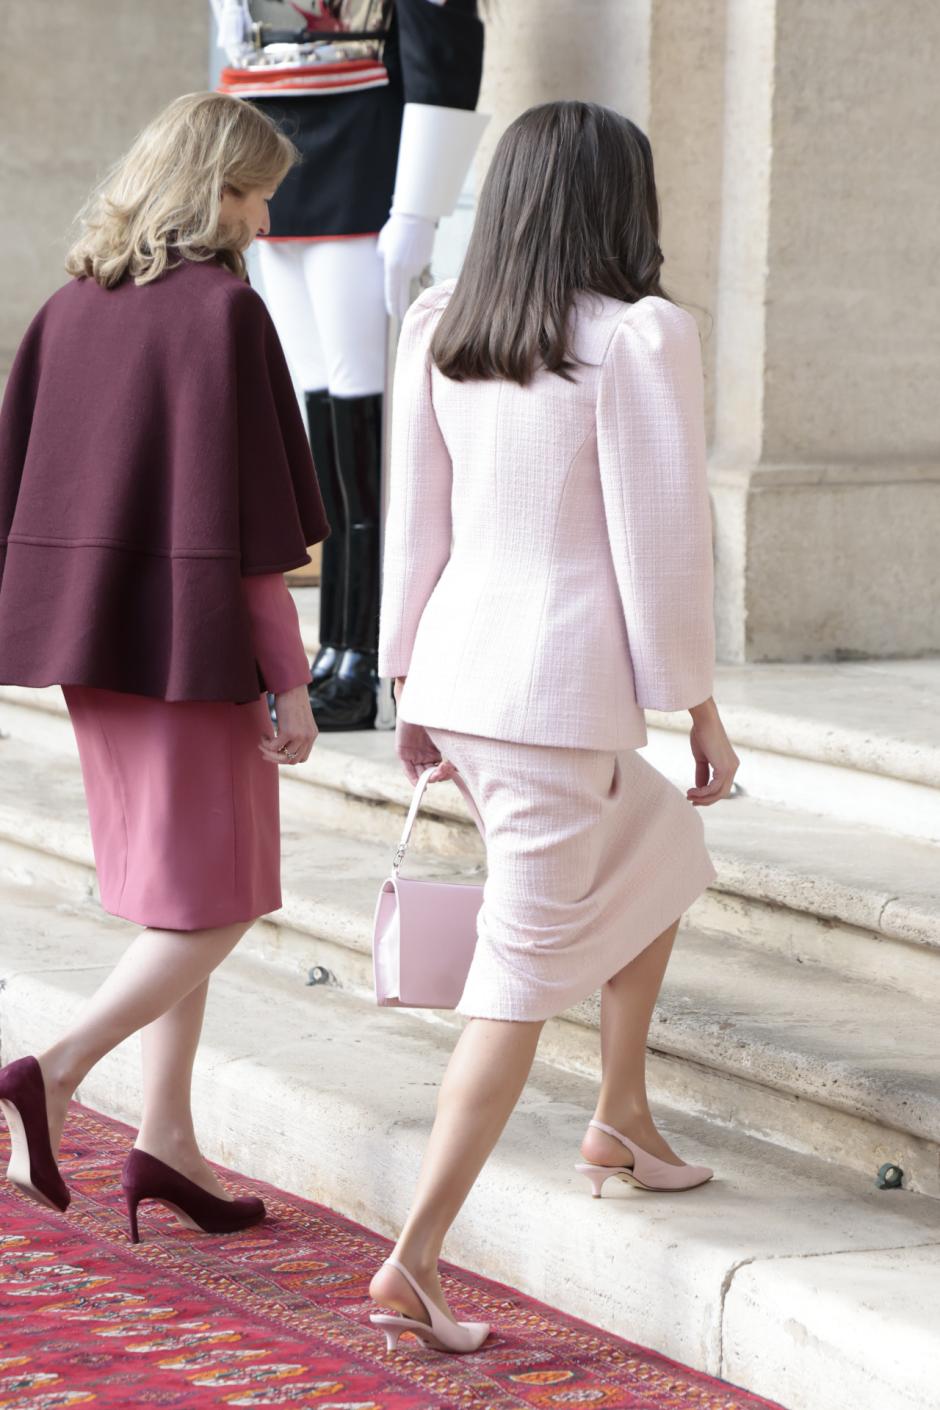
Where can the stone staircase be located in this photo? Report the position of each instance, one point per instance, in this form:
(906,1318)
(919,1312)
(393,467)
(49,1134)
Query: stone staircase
(795,1048)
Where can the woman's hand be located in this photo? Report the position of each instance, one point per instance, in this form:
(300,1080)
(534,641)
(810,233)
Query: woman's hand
(296,729)
(416,749)
(712,751)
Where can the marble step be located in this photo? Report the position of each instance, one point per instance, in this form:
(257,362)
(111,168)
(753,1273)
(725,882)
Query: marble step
(847,1069)
(788,1276)
(856,741)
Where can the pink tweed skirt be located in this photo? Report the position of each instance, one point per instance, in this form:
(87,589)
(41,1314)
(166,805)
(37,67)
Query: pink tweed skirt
(590,856)
(184,811)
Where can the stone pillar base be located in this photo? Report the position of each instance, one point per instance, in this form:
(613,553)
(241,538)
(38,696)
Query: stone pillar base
(826,562)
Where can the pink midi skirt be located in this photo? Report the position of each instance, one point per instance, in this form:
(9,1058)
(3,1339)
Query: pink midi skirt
(590,856)
(184,810)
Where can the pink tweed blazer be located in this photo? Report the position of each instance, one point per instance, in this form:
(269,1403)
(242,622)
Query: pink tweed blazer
(548,554)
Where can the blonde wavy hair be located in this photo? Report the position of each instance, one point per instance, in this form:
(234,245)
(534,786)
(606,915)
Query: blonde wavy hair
(163,197)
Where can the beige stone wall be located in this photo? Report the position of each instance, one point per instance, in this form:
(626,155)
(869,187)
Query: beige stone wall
(853,351)
(77,81)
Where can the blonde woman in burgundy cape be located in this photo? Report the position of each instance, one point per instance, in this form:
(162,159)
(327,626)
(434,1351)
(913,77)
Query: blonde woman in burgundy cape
(548,576)
(155,485)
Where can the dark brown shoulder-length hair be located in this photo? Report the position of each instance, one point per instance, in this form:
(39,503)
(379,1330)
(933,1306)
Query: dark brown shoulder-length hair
(568,205)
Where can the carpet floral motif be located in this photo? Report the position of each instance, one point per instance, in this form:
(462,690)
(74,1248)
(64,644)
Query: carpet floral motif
(277,1316)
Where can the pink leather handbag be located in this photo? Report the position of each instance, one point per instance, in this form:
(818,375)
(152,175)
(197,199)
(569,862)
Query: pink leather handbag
(424,932)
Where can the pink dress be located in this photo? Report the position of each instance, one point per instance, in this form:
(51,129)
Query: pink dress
(184,810)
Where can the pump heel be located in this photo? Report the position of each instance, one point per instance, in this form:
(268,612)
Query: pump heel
(144,1177)
(32,1167)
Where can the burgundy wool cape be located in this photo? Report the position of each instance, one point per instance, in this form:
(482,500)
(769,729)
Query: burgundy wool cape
(152,452)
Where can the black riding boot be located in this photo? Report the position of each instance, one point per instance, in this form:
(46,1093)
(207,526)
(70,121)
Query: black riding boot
(333,562)
(348,699)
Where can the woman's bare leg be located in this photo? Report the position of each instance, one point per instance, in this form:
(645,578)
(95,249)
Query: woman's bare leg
(484,1078)
(168,1049)
(627,1003)
(156,971)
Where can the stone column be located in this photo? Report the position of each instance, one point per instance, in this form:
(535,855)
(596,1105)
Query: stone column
(826,458)
(77,82)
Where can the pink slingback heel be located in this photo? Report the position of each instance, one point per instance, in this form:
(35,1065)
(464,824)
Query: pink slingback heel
(647,1172)
(441,1333)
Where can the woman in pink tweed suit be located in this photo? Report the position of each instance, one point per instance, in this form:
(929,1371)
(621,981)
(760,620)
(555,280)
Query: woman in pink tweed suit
(548,576)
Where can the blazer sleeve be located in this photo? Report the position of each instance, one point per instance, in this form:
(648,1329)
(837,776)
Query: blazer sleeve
(418,526)
(651,451)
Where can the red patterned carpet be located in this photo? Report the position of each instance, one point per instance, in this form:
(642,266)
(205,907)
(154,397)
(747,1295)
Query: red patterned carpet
(275,1316)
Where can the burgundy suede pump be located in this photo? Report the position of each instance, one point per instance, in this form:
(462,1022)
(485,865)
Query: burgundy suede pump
(32,1167)
(144,1177)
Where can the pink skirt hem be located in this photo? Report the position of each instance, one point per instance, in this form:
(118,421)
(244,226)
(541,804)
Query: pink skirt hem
(591,854)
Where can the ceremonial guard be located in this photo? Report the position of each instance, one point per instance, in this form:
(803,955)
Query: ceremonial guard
(380,97)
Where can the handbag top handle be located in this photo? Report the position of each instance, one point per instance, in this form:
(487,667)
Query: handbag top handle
(420,786)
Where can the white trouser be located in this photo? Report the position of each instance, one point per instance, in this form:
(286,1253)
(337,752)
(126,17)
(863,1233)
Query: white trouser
(327,299)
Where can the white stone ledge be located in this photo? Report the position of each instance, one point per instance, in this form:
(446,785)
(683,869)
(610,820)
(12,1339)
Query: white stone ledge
(786,1325)
(833,705)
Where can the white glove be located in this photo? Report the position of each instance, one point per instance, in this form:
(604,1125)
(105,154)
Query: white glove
(234,21)
(405,244)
